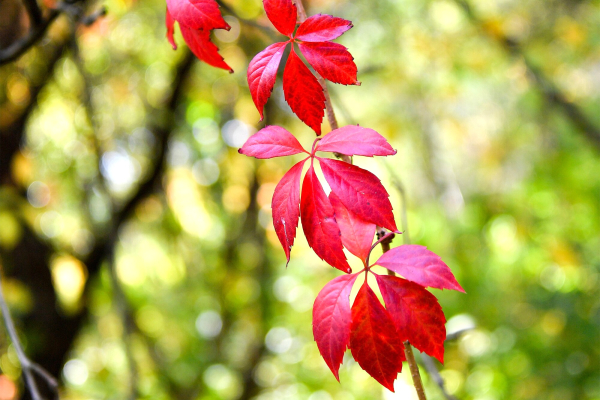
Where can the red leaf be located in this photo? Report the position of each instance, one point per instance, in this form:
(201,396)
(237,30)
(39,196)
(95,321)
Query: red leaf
(285,207)
(357,235)
(303,92)
(200,44)
(416,313)
(331,321)
(374,342)
(282,14)
(360,191)
(322,27)
(197,14)
(170,22)
(271,141)
(318,222)
(332,61)
(419,265)
(354,140)
(262,73)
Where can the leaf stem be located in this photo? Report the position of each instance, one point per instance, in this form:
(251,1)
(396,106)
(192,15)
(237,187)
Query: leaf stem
(328,106)
(387,236)
(414,371)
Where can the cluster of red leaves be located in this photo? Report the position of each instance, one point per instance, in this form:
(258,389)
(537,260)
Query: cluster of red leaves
(301,89)
(197,18)
(376,334)
(357,202)
(348,217)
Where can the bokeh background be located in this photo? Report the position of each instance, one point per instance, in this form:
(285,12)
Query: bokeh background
(136,245)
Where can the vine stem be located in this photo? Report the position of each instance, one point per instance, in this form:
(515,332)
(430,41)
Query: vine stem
(328,106)
(382,234)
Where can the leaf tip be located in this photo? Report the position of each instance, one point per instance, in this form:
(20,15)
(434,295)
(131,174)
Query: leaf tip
(231,70)
(357,83)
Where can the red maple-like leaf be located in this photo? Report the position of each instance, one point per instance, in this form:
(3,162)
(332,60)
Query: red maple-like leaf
(331,321)
(272,141)
(355,140)
(285,207)
(262,73)
(282,14)
(196,20)
(374,341)
(197,14)
(199,43)
(318,222)
(302,91)
(416,313)
(419,265)
(357,202)
(360,191)
(322,28)
(331,60)
(357,235)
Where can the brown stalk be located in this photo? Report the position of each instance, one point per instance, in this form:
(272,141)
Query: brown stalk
(385,245)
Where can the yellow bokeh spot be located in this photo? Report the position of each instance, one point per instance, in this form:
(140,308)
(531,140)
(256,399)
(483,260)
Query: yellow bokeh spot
(236,198)
(69,276)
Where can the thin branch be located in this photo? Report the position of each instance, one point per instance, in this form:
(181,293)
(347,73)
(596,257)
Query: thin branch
(19,47)
(30,369)
(432,370)
(35,14)
(550,91)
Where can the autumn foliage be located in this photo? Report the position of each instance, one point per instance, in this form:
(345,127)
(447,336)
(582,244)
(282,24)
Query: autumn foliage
(347,217)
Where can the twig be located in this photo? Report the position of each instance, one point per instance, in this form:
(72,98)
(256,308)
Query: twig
(432,370)
(29,367)
(552,94)
(410,357)
(19,47)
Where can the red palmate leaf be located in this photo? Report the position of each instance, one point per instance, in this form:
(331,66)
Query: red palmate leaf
(319,225)
(285,209)
(331,60)
(416,313)
(321,28)
(331,321)
(170,22)
(282,14)
(419,265)
(357,234)
(374,342)
(197,14)
(355,140)
(360,191)
(303,92)
(262,73)
(271,141)
(199,43)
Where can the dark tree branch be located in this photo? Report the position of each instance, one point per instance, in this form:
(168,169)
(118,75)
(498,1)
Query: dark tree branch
(35,14)
(19,47)
(551,92)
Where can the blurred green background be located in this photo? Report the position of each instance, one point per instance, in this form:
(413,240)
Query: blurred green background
(129,280)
